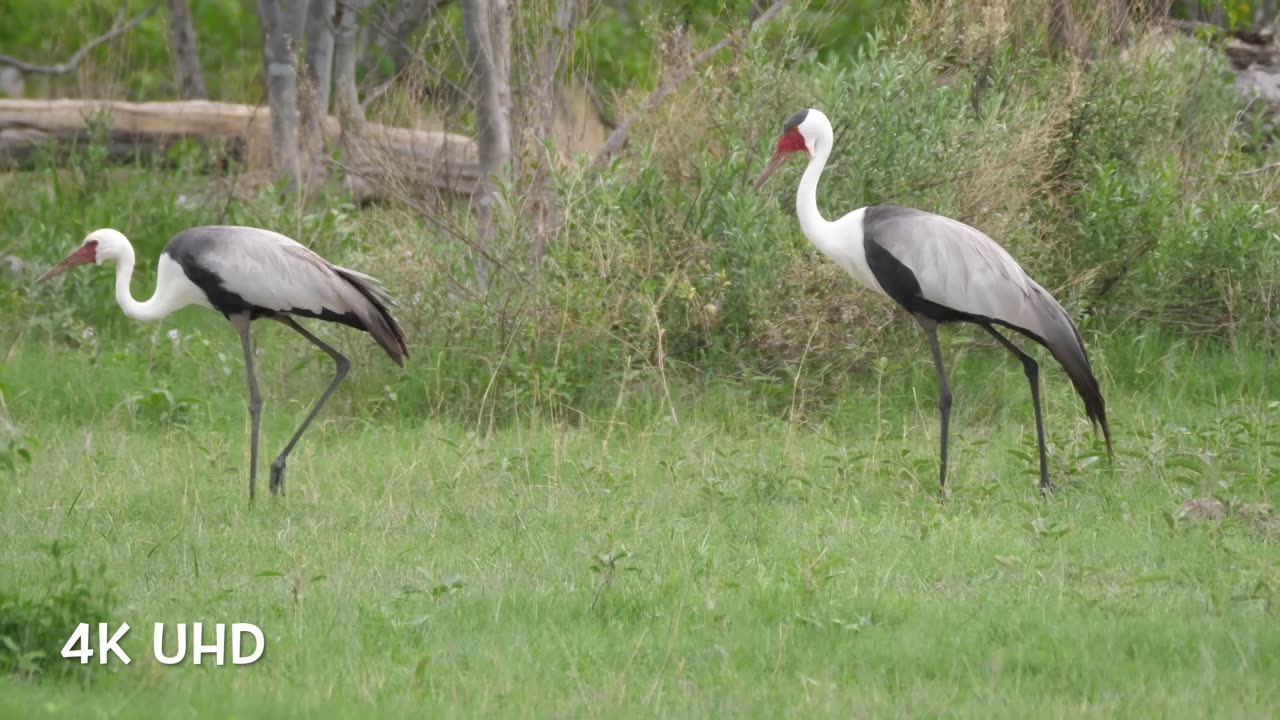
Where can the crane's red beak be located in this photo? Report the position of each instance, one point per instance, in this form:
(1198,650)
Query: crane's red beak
(779,158)
(82,255)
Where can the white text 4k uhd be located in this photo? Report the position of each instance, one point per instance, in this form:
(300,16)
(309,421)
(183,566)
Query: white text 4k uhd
(197,643)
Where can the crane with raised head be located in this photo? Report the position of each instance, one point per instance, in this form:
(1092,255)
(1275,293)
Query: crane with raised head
(248,273)
(940,271)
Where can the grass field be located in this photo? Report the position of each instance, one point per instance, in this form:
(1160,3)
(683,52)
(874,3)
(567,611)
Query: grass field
(707,559)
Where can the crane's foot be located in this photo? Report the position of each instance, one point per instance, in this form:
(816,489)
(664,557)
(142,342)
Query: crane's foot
(277,477)
(1047,488)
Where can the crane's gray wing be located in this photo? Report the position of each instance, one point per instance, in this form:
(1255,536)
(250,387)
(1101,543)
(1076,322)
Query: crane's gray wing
(269,271)
(958,267)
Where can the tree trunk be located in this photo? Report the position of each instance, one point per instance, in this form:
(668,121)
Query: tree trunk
(487,26)
(320,51)
(282,90)
(186,57)
(500,46)
(294,15)
(1266,12)
(1119,21)
(553,56)
(315,93)
(346,99)
(1063,35)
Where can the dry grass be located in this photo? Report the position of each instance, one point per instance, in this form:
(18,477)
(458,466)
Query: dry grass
(826,316)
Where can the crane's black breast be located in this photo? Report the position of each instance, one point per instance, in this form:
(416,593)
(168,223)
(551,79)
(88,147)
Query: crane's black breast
(187,249)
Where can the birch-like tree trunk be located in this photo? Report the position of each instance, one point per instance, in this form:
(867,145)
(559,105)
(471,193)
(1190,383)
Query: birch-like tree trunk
(346,99)
(487,26)
(282,89)
(315,89)
(294,16)
(500,45)
(319,56)
(186,57)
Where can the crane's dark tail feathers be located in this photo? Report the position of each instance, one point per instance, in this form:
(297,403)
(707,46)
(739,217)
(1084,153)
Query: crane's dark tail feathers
(1064,342)
(380,324)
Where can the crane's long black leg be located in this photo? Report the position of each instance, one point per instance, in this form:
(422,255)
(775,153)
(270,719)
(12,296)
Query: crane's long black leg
(1032,369)
(255,398)
(930,327)
(344,365)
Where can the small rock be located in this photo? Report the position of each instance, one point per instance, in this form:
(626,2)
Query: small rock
(1243,54)
(1258,84)
(1203,509)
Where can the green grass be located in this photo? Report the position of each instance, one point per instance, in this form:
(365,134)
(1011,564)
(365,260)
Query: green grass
(721,562)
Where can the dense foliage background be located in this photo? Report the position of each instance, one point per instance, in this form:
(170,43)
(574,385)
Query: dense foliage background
(1124,183)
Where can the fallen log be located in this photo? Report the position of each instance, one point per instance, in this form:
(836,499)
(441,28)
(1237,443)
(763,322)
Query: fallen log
(384,161)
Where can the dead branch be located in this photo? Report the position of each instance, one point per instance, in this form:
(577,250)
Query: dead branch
(669,85)
(118,28)
(392,30)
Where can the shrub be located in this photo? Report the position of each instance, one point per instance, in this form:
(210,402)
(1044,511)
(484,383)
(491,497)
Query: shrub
(37,618)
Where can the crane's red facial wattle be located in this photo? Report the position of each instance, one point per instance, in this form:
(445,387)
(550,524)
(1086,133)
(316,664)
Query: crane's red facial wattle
(83,255)
(790,142)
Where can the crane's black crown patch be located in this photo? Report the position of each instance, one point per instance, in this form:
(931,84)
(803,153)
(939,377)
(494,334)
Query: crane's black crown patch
(795,120)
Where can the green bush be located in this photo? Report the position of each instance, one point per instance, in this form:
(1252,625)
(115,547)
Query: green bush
(37,618)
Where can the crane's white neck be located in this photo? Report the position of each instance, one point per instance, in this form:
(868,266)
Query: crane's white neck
(815,227)
(152,309)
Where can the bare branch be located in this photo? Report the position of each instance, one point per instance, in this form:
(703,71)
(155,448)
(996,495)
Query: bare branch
(391,35)
(118,28)
(379,90)
(669,85)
